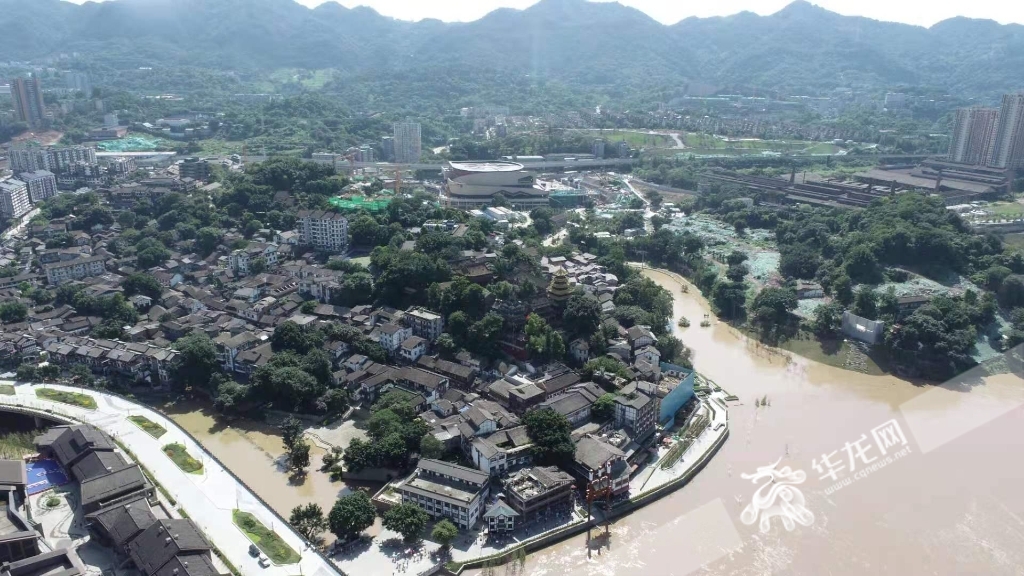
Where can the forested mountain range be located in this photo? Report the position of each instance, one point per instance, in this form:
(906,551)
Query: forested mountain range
(802,48)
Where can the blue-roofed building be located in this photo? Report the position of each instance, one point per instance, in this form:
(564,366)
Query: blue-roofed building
(677,396)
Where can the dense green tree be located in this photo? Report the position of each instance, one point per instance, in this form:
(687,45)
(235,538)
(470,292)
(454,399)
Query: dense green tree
(865,303)
(409,520)
(207,240)
(11,312)
(27,372)
(333,401)
(351,514)
(230,395)
(673,350)
(828,320)
(445,345)
(550,432)
(298,456)
(582,315)
(730,298)
(196,361)
(737,273)
(291,431)
(736,257)
(604,408)
(444,533)
(142,283)
(431,447)
(309,521)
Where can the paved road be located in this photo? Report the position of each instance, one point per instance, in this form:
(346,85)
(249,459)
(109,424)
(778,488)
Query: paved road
(16,230)
(207,498)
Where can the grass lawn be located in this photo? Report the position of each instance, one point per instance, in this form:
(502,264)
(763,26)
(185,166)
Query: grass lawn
(635,139)
(180,456)
(73,398)
(14,445)
(1015,240)
(1005,209)
(6,389)
(152,428)
(270,543)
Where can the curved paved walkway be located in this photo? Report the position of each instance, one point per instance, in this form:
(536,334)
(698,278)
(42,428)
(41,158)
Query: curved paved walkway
(207,498)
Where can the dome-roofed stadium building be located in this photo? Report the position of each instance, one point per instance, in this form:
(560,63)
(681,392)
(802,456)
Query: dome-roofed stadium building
(469,185)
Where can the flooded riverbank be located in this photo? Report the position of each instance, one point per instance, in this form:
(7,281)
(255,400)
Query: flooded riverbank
(254,451)
(955,509)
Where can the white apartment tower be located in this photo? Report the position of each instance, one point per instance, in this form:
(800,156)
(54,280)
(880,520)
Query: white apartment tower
(1008,145)
(408,144)
(13,199)
(53,159)
(973,133)
(323,230)
(42,184)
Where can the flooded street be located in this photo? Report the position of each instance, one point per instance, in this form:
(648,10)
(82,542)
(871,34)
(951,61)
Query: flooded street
(952,505)
(253,450)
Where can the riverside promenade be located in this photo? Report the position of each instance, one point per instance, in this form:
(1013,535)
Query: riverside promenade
(208,498)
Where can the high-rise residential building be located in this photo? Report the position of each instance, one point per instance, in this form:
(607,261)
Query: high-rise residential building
(13,199)
(1008,144)
(387,145)
(31,159)
(366,153)
(323,230)
(78,81)
(408,143)
(28,101)
(42,184)
(194,168)
(121,166)
(973,131)
(69,156)
(597,149)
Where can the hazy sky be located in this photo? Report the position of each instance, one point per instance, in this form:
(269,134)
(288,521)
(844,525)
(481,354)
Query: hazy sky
(920,12)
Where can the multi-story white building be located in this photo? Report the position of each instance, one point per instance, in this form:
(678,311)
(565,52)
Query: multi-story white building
(241,260)
(1008,144)
(445,490)
(323,230)
(42,184)
(60,272)
(408,143)
(412,348)
(121,166)
(52,159)
(973,133)
(391,336)
(14,199)
(424,323)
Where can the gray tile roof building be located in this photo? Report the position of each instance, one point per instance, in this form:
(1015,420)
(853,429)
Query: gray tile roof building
(163,541)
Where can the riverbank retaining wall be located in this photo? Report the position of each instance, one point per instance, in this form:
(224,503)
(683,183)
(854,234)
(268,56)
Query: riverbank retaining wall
(623,508)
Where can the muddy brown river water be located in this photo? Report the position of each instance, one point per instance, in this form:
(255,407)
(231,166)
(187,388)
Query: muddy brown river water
(953,505)
(253,450)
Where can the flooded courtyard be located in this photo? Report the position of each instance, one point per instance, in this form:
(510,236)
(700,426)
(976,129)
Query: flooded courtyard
(254,451)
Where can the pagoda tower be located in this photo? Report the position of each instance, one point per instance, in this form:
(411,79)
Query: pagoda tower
(560,290)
